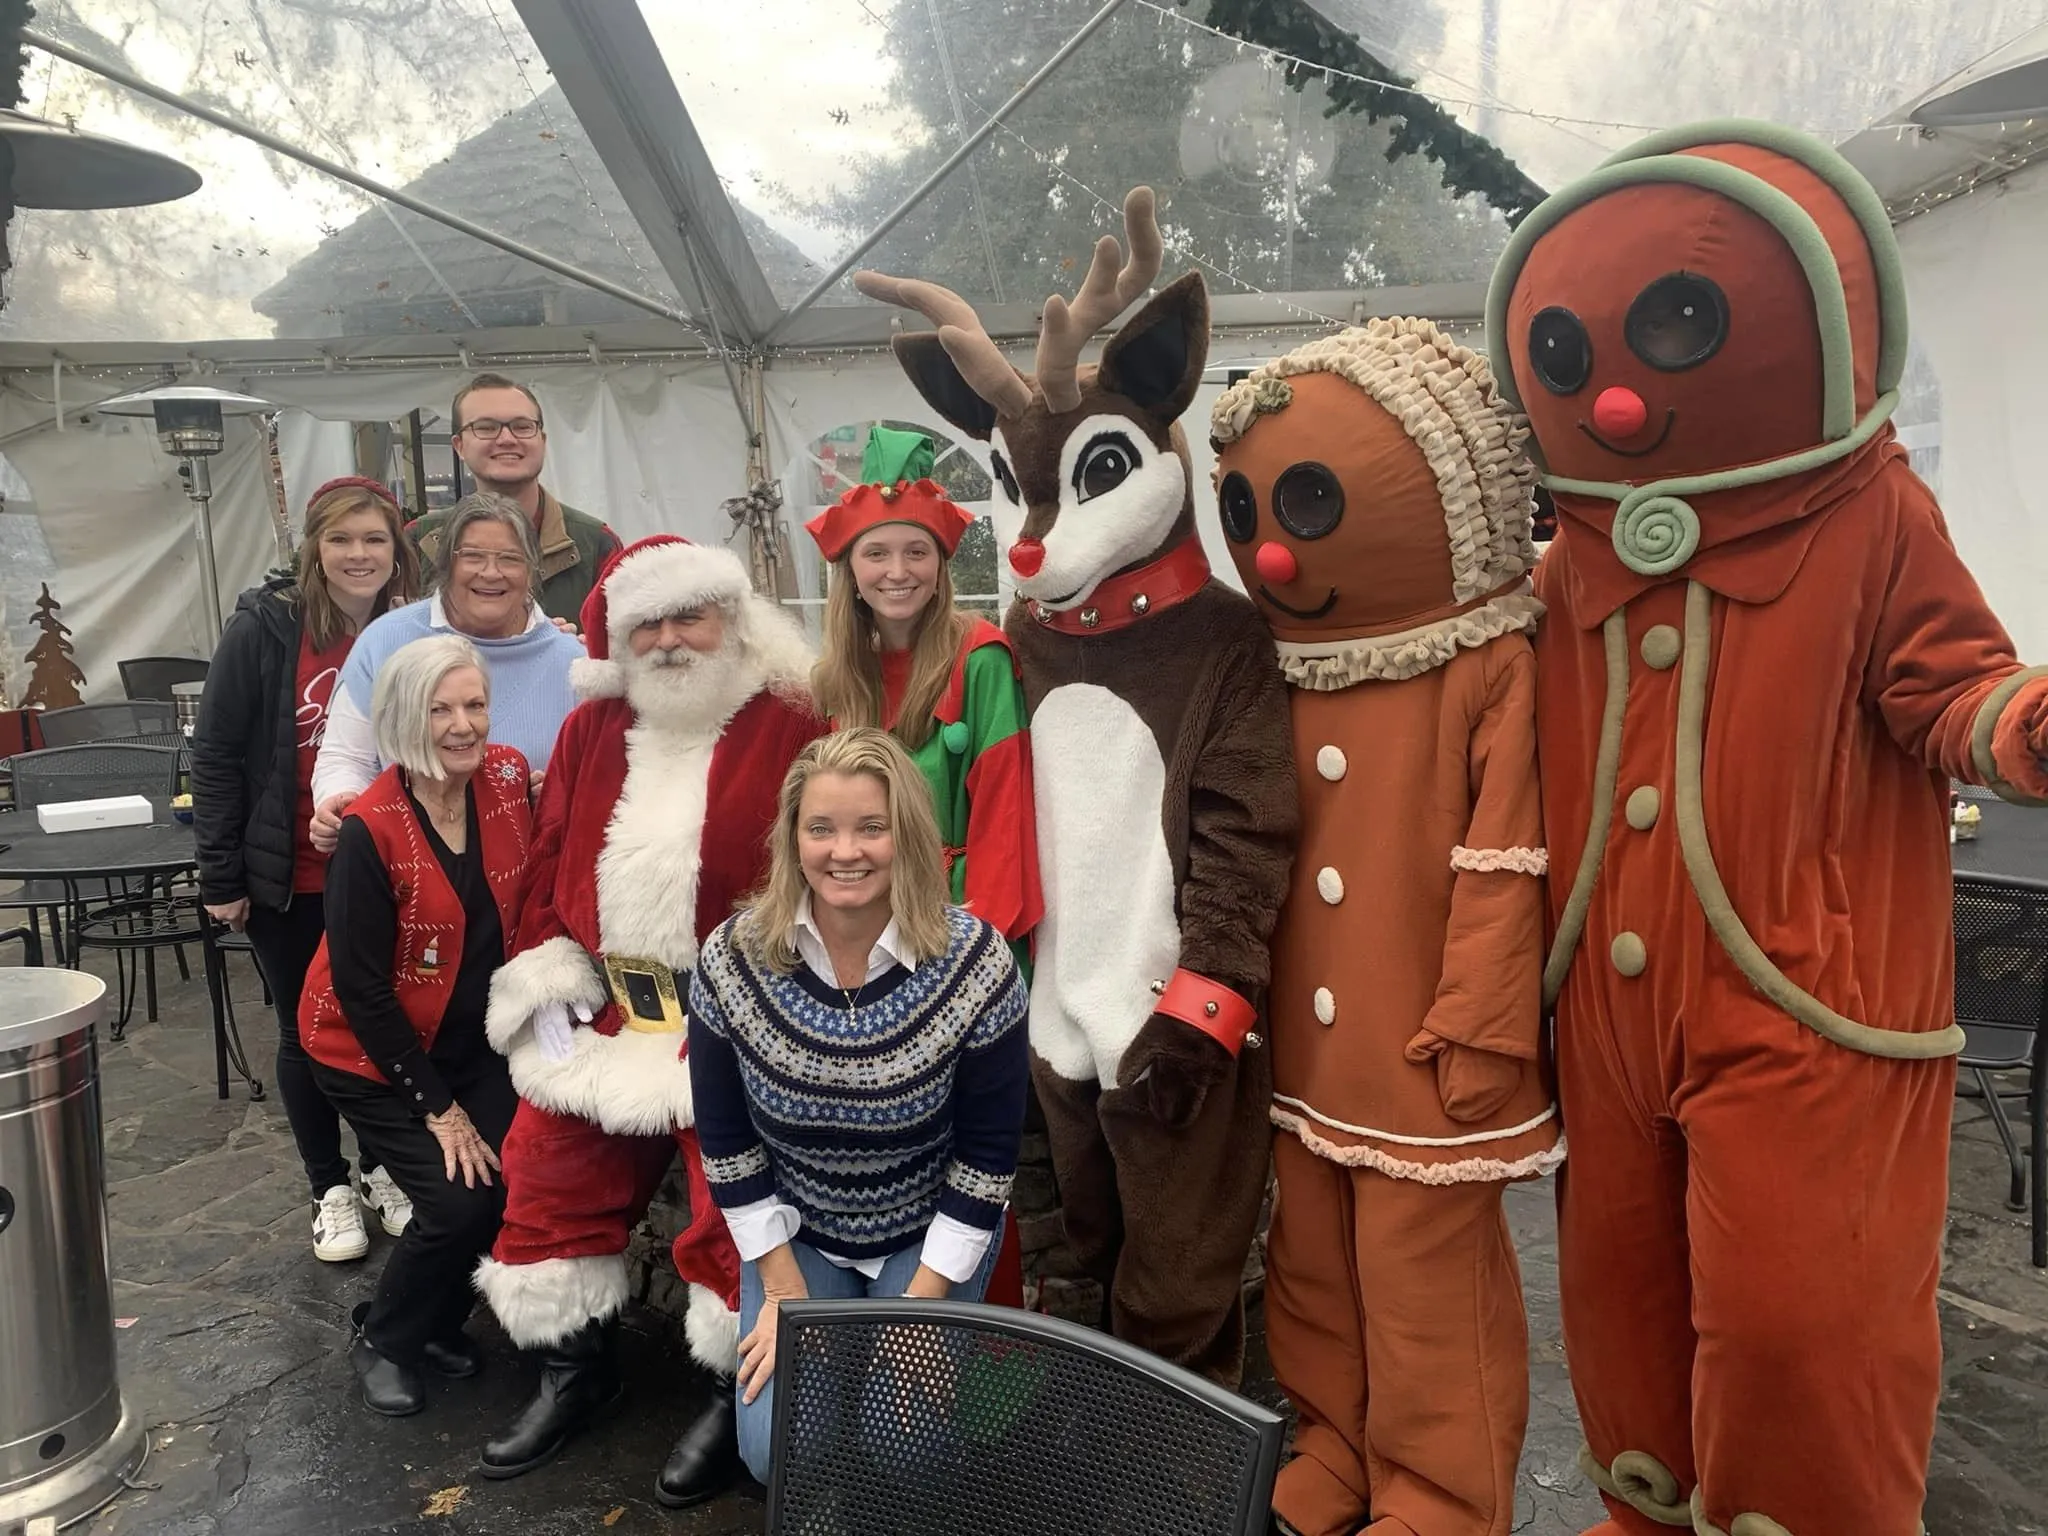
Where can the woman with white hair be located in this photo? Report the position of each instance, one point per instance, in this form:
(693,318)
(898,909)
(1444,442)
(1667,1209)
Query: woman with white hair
(421,895)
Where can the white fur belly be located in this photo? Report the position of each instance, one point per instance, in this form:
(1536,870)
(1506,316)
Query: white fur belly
(1109,929)
(647,873)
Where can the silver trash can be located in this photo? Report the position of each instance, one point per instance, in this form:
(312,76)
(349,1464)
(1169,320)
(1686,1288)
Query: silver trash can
(67,1445)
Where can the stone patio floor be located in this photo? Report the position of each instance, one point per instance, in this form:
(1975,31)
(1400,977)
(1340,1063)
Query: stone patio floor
(234,1347)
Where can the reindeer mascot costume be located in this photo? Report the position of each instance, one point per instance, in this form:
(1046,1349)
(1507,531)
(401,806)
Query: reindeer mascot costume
(1376,498)
(1165,793)
(1762,662)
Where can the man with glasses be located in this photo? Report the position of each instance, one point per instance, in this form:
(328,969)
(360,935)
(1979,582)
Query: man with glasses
(502,437)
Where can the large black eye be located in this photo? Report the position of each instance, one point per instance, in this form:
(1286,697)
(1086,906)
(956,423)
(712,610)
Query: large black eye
(1004,478)
(1308,499)
(1678,322)
(1560,351)
(1105,464)
(1240,508)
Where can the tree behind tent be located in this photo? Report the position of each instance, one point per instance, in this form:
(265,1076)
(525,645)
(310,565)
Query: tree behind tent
(54,678)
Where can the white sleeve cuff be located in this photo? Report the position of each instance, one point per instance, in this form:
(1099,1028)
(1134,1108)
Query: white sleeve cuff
(951,1247)
(762,1226)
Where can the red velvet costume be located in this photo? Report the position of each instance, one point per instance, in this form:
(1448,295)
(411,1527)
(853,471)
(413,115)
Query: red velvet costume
(1763,661)
(649,832)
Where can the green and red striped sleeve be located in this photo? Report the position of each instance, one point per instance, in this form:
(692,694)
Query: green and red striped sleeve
(1002,821)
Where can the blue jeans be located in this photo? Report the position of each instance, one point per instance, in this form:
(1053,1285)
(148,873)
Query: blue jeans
(826,1281)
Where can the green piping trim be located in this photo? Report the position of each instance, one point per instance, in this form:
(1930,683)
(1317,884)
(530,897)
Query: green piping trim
(1720,912)
(1643,1483)
(1985,726)
(1848,183)
(1792,222)
(1571,925)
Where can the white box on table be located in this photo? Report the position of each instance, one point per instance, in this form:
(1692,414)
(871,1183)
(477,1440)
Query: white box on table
(82,815)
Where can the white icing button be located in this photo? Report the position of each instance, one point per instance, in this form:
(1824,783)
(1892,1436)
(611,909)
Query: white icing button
(1329,885)
(1326,1006)
(1331,763)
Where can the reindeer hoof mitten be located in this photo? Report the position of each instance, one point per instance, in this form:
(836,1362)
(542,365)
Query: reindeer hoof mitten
(1165,795)
(1762,660)
(1377,500)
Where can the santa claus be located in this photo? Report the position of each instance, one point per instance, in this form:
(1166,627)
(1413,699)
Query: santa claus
(652,824)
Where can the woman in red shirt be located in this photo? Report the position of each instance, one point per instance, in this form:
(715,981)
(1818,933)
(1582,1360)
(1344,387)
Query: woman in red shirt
(260,723)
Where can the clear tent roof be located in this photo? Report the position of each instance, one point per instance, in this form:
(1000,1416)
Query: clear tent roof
(723,160)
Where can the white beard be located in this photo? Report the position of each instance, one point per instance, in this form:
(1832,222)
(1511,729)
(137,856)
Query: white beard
(686,691)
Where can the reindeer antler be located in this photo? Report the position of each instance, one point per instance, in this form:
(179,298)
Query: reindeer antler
(981,363)
(1105,293)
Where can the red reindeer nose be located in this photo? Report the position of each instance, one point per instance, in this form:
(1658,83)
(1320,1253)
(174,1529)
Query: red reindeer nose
(1276,563)
(1619,412)
(1026,556)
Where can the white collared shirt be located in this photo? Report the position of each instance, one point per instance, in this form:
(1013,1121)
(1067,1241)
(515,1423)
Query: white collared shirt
(951,1247)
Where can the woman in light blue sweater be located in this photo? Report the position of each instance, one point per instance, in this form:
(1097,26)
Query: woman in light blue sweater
(488,592)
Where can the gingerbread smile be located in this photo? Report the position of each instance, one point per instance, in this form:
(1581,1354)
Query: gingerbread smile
(1670,417)
(1329,602)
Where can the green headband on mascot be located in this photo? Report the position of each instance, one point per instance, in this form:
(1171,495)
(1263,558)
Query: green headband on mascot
(1655,529)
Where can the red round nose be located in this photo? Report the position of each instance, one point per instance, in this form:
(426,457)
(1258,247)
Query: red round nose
(1619,412)
(1026,556)
(1276,563)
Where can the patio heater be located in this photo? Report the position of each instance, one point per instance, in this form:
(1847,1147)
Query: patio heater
(191,427)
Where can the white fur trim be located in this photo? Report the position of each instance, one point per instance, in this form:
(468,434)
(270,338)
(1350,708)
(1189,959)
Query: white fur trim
(630,1084)
(713,1330)
(1109,930)
(665,578)
(1470,1170)
(557,970)
(591,678)
(648,869)
(543,1303)
(1519,861)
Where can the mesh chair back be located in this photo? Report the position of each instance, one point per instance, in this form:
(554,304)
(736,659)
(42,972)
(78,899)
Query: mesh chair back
(922,1418)
(2001,967)
(93,773)
(153,677)
(109,722)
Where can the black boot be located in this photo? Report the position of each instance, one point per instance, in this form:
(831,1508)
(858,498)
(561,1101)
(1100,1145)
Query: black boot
(389,1388)
(706,1459)
(579,1380)
(455,1357)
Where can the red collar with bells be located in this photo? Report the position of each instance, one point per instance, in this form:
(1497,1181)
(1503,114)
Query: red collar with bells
(1122,601)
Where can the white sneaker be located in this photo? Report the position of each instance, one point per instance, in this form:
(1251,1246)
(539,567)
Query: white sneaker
(338,1233)
(392,1205)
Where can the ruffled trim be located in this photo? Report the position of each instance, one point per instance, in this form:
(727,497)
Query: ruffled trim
(1469,1170)
(1327,666)
(1518,861)
(1445,397)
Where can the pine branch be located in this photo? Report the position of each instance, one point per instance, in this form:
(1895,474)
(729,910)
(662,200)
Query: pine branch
(1418,126)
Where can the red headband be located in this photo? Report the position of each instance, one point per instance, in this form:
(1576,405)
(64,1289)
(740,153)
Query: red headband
(376,488)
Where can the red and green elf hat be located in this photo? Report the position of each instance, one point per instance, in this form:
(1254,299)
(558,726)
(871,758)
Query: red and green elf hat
(895,470)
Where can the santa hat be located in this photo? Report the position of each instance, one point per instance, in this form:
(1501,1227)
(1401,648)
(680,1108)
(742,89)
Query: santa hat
(897,487)
(665,574)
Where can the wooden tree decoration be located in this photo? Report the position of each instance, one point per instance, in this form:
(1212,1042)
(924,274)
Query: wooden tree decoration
(54,678)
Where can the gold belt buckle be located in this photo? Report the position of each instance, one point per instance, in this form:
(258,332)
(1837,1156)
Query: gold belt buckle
(645,991)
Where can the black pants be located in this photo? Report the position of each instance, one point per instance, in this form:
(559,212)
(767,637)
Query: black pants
(285,943)
(425,1292)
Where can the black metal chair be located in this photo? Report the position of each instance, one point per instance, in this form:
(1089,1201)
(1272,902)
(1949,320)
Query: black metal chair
(85,723)
(30,941)
(929,1418)
(2002,1004)
(153,677)
(137,918)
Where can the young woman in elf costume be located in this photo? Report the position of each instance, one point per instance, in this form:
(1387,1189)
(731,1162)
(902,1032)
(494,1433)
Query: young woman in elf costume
(898,655)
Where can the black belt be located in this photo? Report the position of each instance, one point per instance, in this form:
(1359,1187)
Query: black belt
(651,998)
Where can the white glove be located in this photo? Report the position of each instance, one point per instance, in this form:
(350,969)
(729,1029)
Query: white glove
(551,1031)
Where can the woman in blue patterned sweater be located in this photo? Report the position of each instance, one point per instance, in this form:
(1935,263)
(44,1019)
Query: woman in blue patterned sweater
(857,1058)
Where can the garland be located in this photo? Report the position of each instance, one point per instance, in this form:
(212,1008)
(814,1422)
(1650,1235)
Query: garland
(14,15)
(1418,125)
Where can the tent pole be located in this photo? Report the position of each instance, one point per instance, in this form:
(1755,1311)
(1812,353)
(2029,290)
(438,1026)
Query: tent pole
(946,167)
(341,172)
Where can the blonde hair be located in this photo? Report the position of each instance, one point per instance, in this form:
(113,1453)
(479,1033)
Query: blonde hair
(766,930)
(847,680)
(402,703)
(325,622)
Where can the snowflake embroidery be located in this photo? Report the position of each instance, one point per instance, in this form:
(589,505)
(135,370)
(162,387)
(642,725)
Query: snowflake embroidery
(509,772)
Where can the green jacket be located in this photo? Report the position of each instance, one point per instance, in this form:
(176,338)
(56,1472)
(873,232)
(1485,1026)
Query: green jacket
(573,549)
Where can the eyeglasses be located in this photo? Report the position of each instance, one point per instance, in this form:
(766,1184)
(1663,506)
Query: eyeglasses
(490,560)
(484,428)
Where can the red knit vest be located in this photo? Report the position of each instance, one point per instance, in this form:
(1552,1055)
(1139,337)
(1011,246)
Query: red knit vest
(430,917)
